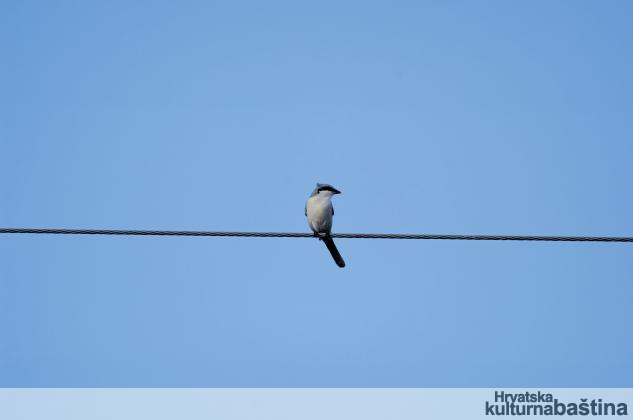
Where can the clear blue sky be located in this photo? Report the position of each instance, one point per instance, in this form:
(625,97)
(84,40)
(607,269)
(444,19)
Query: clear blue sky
(443,117)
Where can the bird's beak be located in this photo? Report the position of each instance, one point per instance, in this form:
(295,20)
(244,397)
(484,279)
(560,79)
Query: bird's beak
(335,191)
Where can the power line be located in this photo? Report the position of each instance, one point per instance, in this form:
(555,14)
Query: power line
(310,235)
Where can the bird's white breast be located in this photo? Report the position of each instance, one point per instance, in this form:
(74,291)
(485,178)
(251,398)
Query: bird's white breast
(319,210)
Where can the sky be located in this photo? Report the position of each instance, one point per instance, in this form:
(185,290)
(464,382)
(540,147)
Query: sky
(431,117)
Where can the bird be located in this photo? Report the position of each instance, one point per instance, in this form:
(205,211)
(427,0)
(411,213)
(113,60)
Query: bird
(319,211)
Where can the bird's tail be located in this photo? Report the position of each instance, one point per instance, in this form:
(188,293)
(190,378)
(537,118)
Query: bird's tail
(329,242)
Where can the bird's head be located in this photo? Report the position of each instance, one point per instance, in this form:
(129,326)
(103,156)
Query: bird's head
(325,189)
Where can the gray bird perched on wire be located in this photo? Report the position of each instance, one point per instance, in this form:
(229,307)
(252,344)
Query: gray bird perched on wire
(319,211)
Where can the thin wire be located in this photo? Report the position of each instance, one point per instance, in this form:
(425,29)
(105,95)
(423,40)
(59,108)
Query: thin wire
(311,235)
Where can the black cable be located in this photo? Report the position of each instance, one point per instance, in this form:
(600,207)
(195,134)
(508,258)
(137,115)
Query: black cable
(311,235)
